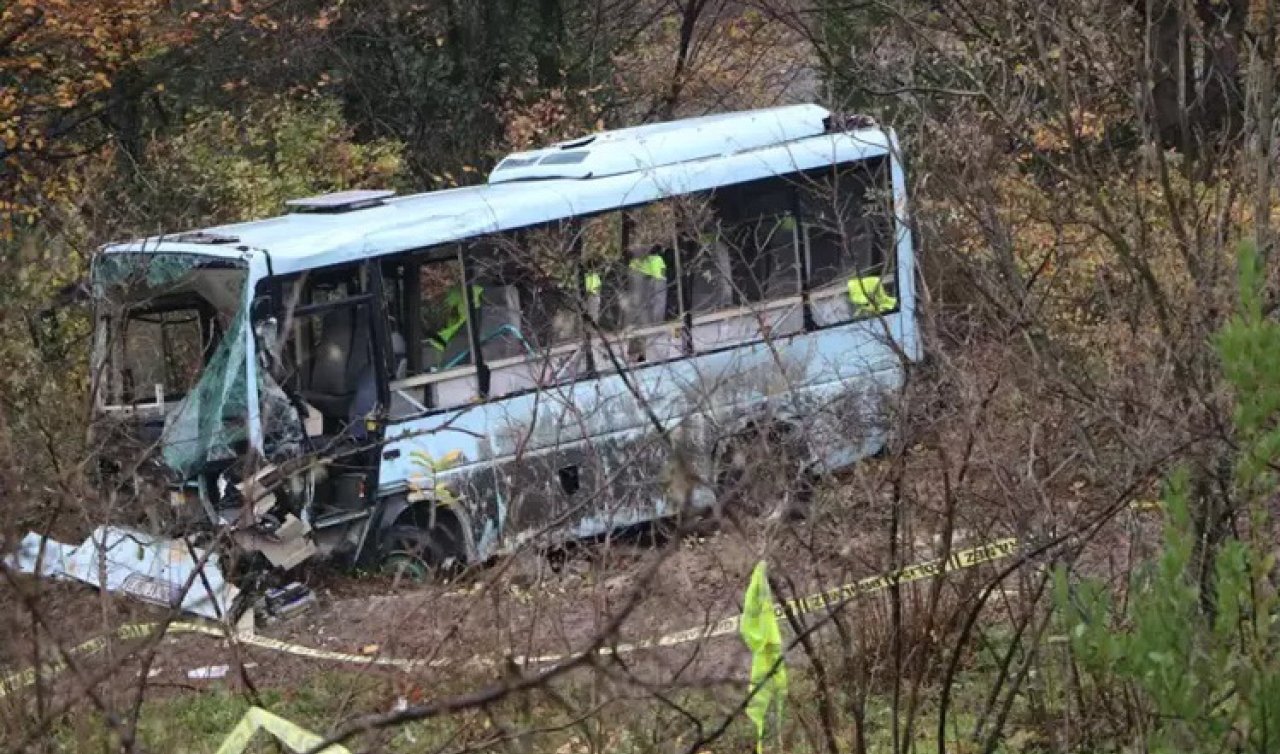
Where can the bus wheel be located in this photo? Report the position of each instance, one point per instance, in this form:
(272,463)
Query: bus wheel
(413,553)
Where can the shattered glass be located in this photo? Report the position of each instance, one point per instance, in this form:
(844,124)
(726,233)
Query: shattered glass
(151,270)
(281,424)
(212,419)
(210,423)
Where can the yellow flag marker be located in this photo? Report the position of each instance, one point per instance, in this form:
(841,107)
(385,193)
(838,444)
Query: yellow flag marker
(298,739)
(760,631)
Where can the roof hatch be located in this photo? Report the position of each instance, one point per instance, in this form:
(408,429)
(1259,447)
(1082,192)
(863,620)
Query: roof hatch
(340,201)
(629,150)
(204,237)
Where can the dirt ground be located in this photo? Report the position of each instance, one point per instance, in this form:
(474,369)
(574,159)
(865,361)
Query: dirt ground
(525,604)
(517,606)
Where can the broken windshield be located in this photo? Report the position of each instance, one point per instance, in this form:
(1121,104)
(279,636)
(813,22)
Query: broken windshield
(172,327)
(161,318)
(157,354)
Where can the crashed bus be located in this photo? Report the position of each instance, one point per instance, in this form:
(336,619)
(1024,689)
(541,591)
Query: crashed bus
(574,346)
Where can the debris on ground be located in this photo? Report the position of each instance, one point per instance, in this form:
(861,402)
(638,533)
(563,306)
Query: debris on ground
(171,573)
(213,672)
(284,547)
(283,603)
(208,673)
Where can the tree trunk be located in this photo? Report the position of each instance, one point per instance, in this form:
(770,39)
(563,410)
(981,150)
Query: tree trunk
(1168,72)
(1221,95)
(549,43)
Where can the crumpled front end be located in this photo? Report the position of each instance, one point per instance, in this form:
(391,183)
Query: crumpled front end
(180,397)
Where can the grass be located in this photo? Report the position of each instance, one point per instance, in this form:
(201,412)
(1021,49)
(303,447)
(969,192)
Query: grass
(549,720)
(196,723)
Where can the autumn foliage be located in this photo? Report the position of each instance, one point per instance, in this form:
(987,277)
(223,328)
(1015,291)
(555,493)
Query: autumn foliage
(1082,176)
(61,62)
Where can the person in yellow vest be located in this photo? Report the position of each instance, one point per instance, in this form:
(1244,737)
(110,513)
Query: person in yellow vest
(455,306)
(651,265)
(868,296)
(649,272)
(647,289)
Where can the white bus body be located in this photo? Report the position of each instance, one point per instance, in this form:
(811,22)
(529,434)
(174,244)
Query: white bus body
(570,436)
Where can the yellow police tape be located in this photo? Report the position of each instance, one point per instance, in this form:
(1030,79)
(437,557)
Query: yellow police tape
(959,560)
(296,738)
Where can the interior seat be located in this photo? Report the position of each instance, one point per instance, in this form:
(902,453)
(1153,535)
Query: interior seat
(338,361)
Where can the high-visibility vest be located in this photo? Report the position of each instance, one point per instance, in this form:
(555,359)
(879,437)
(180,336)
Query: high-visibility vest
(869,296)
(457,306)
(653,266)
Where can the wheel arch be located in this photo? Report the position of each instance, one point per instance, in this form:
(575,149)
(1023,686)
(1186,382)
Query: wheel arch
(428,514)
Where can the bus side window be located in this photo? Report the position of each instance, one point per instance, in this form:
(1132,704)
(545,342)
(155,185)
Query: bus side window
(848,224)
(705,261)
(757,225)
(395,276)
(743,266)
(497,269)
(530,328)
(650,238)
(637,285)
(442,316)
(630,262)
(427,319)
(326,358)
(599,239)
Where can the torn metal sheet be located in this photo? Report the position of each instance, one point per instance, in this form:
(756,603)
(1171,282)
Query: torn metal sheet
(284,548)
(154,570)
(165,572)
(29,558)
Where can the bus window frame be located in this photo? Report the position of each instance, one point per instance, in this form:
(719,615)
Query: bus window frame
(211,335)
(613,343)
(411,263)
(685,320)
(749,310)
(505,250)
(890,263)
(368,279)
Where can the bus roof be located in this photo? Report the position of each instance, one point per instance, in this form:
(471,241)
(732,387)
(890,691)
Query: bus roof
(715,151)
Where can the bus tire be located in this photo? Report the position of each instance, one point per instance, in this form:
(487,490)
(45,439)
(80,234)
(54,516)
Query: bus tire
(409,551)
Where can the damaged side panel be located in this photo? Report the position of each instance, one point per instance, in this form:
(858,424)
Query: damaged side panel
(170,573)
(444,366)
(580,459)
